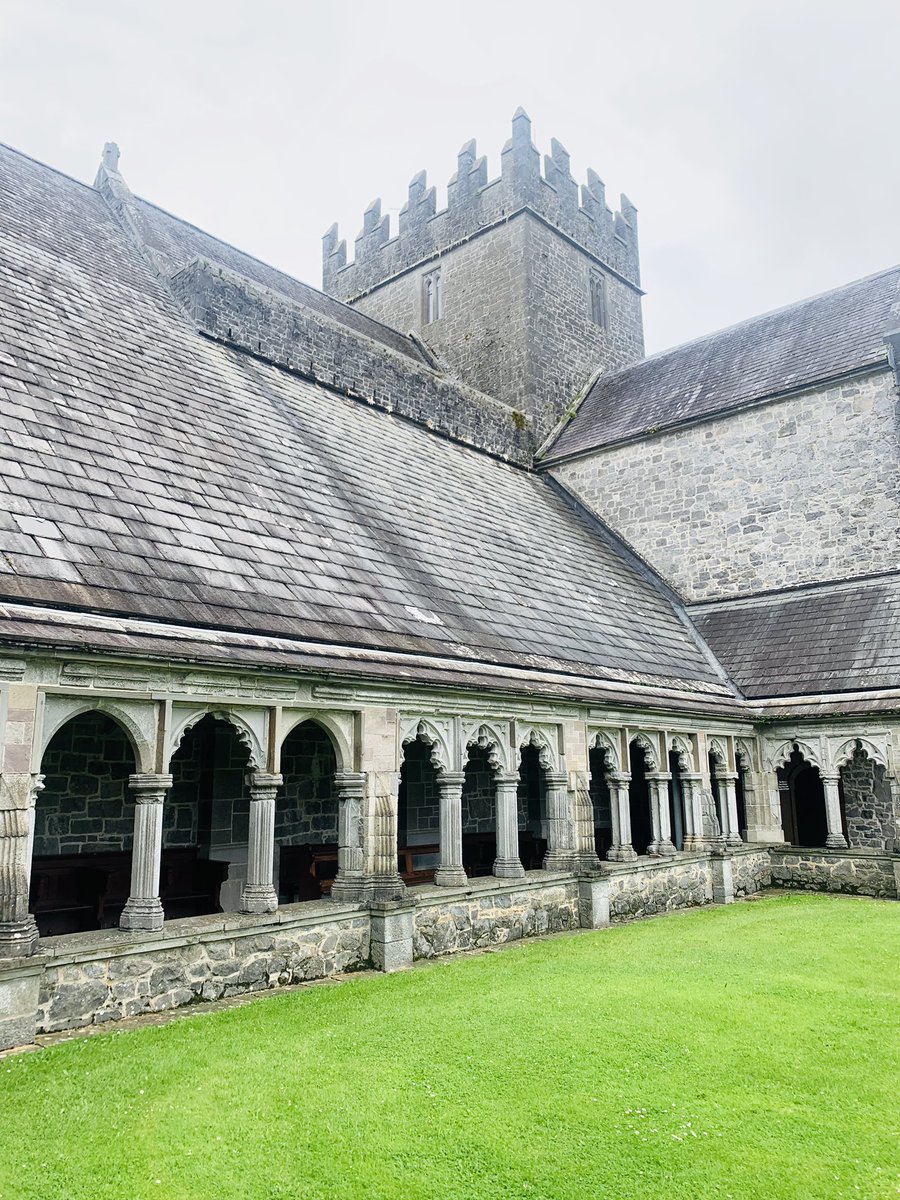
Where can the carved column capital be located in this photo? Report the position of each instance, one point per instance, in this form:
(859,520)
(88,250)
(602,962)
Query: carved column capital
(451,779)
(149,788)
(262,785)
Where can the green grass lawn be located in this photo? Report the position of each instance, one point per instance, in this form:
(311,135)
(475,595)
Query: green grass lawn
(749,1051)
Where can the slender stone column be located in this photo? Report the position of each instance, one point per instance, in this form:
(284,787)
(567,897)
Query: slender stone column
(349,883)
(560,823)
(728,801)
(507,864)
(662,845)
(259,895)
(621,849)
(450,871)
(584,857)
(18,930)
(692,791)
(835,839)
(144,909)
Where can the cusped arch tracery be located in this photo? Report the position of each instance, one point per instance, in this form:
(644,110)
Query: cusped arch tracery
(608,746)
(683,749)
(849,748)
(744,753)
(781,757)
(491,739)
(244,733)
(548,755)
(646,743)
(427,731)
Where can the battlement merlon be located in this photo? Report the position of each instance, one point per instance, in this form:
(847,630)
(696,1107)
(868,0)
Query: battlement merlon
(475,204)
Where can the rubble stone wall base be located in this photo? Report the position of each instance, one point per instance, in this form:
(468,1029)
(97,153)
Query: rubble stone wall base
(492,912)
(858,872)
(122,975)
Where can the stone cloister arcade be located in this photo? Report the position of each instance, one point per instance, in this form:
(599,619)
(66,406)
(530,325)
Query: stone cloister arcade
(143,811)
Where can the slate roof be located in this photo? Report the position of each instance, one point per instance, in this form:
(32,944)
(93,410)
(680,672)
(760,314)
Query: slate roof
(150,472)
(837,637)
(822,338)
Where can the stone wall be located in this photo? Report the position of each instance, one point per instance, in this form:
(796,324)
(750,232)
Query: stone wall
(751,871)
(85,806)
(648,887)
(482,331)
(306,810)
(796,491)
(93,978)
(490,912)
(859,873)
(868,804)
(208,804)
(479,813)
(419,809)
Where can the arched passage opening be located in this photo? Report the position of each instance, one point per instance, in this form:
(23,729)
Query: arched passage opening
(206,822)
(639,799)
(83,827)
(601,799)
(802,798)
(418,821)
(479,812)
(306,815)
(532,804)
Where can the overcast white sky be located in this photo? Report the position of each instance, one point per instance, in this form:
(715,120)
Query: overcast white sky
(759,140)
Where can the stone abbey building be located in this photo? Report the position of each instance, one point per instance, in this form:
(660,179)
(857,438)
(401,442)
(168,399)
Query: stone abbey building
(424,612)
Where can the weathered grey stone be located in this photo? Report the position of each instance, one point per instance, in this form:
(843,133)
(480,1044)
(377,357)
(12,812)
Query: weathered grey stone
(863,873)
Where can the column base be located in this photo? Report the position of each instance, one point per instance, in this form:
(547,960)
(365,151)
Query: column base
(734,839)
(18,939)
(558,860)
(350,889)
(450,877)
(661,850)
(259,898)
(836,841)
(508,868)
(142,914)
(621,854)
(383,889)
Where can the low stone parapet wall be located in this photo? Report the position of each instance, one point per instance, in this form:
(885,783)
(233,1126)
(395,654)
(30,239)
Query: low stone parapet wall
(94,977)
(859,872)
(751,870)
(656,885)
(491,911)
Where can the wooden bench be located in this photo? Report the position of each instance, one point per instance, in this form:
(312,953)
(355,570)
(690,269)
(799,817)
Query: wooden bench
(71,893)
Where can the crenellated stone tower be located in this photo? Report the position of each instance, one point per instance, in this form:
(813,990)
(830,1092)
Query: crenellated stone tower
(524,285)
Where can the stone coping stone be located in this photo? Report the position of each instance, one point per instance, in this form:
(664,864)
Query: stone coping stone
(429,894)
(646,863)
(75,947)
(866,852)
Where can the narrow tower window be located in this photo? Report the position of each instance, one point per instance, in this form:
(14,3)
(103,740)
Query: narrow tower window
(432,296)
(599,300)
